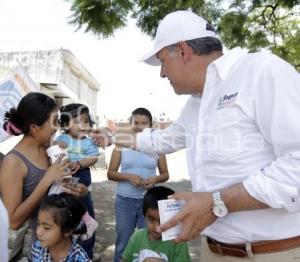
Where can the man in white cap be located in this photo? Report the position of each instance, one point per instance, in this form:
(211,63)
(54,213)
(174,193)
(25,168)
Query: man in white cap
(242,134)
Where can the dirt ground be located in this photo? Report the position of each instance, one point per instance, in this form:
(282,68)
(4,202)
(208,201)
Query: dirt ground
(104,197)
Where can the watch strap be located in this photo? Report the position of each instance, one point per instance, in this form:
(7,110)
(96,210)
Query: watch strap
(217,197)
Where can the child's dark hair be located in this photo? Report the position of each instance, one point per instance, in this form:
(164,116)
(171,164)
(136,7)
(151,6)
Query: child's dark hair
(142,111)
(72,111)
(153,195)
(67,211)
(34,108)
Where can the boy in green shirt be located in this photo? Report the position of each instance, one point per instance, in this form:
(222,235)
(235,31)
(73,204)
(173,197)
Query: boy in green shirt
(146,244)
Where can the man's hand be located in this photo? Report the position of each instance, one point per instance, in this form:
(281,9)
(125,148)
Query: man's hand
(102,137)
(195,216)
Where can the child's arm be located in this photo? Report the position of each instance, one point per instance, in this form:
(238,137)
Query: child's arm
(163,173)
(91,151)
(87,162)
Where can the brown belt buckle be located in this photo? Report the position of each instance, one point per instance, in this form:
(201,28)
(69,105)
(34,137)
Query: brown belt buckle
(219,249)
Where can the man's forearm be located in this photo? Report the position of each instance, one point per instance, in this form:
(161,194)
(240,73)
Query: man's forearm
(237,198)
(125,139)
(104,137)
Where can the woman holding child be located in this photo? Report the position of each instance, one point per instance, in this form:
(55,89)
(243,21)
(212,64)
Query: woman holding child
(26,174)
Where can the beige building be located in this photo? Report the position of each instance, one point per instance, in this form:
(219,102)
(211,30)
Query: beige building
(59,74)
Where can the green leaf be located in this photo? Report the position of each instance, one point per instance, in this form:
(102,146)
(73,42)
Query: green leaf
(251,24)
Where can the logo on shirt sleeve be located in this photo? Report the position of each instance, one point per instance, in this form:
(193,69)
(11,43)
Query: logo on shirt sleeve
(226,100)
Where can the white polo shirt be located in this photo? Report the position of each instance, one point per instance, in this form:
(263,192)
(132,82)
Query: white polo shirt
(245,128)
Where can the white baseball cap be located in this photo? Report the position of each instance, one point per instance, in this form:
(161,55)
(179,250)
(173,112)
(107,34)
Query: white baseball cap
(175,27)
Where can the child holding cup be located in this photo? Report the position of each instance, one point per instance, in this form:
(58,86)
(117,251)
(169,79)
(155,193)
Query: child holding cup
(76,123)
(54,152)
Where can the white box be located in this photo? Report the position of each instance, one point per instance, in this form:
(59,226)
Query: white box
(167,209)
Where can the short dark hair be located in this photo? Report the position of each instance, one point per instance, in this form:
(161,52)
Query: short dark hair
(72,111)
(202,46)
(205,45)
(142,111)
(155,194)
(34,108)
(67,211)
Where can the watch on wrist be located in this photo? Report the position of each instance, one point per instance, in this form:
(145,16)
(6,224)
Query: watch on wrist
(219,208)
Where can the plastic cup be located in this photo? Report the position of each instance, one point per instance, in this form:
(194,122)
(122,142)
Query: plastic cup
(55,151)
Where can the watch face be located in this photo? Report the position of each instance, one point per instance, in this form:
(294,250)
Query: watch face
(220,210)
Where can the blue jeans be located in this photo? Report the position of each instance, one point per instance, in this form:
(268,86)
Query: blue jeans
(129,214)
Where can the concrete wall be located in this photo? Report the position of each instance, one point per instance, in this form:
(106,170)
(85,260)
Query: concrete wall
(59,73)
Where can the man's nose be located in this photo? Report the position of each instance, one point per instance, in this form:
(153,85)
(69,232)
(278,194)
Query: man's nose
(162,72)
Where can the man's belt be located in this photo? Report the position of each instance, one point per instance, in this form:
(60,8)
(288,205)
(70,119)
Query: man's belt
(243,250)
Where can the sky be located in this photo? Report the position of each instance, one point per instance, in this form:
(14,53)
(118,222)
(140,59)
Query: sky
(125,82)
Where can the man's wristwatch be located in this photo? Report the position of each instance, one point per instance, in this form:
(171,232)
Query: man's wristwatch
(219,208)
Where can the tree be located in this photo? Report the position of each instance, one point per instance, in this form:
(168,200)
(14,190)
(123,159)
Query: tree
(101,17)
(251,24)
(258,24)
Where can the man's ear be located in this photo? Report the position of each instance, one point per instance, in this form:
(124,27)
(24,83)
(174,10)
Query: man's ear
(184,51)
